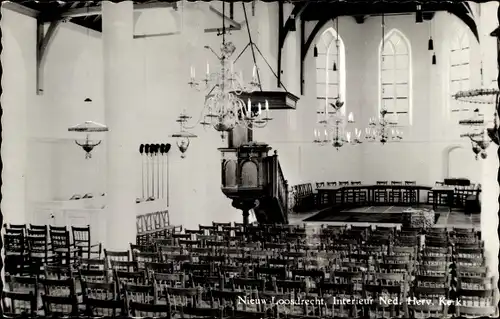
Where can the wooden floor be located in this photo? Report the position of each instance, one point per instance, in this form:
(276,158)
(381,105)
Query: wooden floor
(446,218)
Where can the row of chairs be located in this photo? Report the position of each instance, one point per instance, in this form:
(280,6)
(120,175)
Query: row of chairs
(34,245)
(281,262)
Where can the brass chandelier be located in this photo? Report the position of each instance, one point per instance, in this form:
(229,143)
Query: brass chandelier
(331,126)
(479,134)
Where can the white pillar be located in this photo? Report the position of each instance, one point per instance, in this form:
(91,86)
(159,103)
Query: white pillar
(15,132)
(489,208)
(121,112)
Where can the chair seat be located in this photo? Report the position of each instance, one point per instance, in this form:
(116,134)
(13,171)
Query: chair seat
(66,250)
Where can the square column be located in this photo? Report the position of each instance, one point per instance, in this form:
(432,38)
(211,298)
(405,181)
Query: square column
(121,110)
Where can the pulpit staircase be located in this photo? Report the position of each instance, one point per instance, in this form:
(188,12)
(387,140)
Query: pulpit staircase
(273,206)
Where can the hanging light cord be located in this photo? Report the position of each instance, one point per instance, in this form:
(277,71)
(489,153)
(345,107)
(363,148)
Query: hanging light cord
(383,58)
(338,60)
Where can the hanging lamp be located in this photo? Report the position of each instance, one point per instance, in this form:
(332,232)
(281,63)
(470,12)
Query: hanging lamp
(88,126)
(336,44)
(430,45)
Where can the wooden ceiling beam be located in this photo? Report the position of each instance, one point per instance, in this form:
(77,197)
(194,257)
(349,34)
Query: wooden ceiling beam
(16,7)
(97,10)
(234,24)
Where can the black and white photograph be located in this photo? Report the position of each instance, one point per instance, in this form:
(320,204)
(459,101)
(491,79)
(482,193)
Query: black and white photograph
(250,159)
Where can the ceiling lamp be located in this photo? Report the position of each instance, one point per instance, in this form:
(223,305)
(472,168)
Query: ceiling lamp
(383,129)
(88,127)
(331,126)
(224,108)
(480,136)
(183,137)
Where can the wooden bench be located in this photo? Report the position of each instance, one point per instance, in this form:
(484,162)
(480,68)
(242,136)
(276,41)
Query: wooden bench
(304,197)
(152,226)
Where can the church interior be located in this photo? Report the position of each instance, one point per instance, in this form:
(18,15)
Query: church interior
(286,159)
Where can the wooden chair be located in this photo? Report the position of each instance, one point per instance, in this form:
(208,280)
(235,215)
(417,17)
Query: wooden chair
(106,307)
(124,265)
(59,288)
(115,256)
(60,305)
(380,195)
(139,293)
(93,275)
(331,290)
(430,305)
(99,290)
(58,272)
(22,284)
(19,304)
(396,195)
(92,264)
(138,309)
(81,240)
(141,258)
(129,277)
(38,248)
(15,252)
(410,195)
(62,248)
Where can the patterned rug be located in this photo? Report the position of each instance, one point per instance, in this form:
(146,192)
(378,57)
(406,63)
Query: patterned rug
(371,214)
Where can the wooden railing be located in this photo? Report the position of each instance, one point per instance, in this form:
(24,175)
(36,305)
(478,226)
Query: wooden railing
(278,184)
(153,225)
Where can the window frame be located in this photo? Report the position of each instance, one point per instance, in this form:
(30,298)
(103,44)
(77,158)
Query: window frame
(327,68)
(387,41)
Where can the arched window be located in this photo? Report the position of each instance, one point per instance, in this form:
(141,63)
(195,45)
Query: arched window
(459,69)
(330,83)
(395,77)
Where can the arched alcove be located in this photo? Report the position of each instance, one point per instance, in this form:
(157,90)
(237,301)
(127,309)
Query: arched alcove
(230,173)
(249,174)
(459,162)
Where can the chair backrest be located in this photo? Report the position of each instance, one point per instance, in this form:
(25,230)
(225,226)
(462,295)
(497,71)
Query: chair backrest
(382,182)
(355,182)
(343,183)
(57,272)
(116,255)
(17,226)
(320,184)
(14,243)
(81,236)
(59,239)
(60,305)
(124,265)
(22,284)
(139,293)
(58,228)
(93,275)
(105,307)
(39,227)
(331,183)
(56,287)
(410,183)
(98,290)
(138,309)
(396,183)
(18,303)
